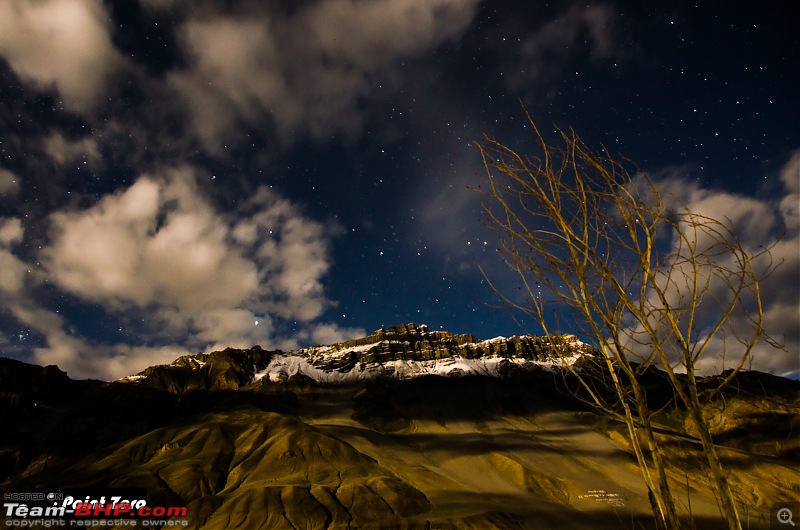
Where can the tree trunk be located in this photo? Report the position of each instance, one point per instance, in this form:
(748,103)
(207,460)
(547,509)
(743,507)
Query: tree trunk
(720,483)
(659,494)
(670,513)
(654,494)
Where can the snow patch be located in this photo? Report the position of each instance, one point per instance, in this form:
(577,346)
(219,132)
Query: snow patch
(130,378)
(284,367)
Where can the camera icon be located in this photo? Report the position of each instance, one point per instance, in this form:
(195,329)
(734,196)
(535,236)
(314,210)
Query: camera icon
(784,516)
(54,496)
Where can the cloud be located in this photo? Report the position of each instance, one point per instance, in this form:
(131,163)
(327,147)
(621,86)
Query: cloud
(757,223)
(292,252)
(186,276)
(160,242)
(64,151)
(9,183)
(767,221)
(324,334)
(308,71)
(79,357)
(546,52)
(61,44)
(152,243)
(450,211)
(12,270)
(233,327)
(790,178)
(62,347)
(10,232)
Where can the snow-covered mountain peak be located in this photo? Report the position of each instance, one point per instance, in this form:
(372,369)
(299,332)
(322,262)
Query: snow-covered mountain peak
(408,351)
(400,352)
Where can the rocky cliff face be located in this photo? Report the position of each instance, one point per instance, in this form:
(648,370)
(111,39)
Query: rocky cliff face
(229,369)
(400,352)
(415,343)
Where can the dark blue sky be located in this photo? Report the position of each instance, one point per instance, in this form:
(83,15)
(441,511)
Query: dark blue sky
(179,176)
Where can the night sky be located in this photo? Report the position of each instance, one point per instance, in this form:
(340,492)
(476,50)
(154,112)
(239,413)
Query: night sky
(182,176)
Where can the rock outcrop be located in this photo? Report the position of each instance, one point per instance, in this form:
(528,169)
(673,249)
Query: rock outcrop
(229,369)
(416,343)
(399,352)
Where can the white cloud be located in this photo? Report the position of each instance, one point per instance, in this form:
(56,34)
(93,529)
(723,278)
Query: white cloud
(316,333)
(324,334)
(790,205)
(61,44)
(11,231)
(234,328)
(219,329)
(81,358)
(201,279)
(12,273)
(9,183)
(153,243)
(65,151)
(12,269)
(757,222)
(306,72)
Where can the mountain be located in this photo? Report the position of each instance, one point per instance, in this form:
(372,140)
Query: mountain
(401,352)
(404,428)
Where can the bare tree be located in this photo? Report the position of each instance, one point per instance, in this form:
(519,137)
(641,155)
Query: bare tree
(652,283)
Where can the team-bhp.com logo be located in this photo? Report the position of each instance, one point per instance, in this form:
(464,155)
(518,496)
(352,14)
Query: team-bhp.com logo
(56,509)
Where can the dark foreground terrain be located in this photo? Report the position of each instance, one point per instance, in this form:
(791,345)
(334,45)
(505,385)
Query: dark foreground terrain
(475,451)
